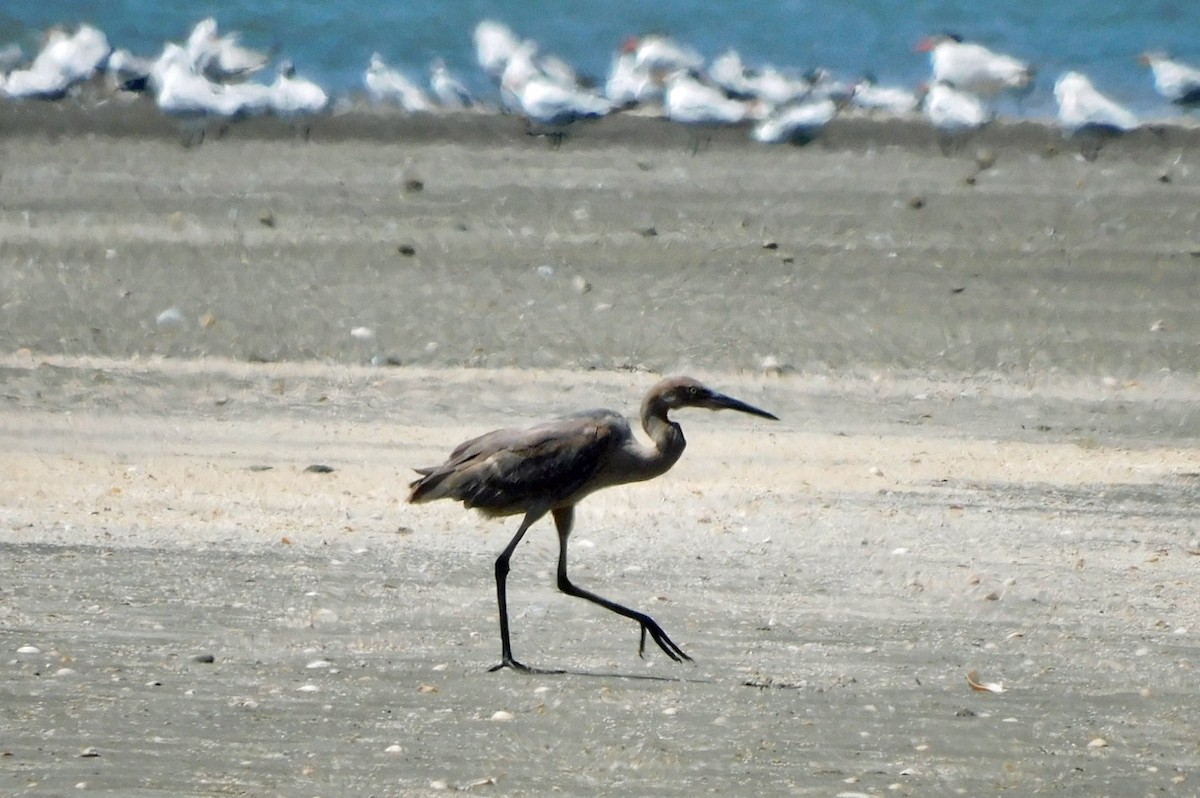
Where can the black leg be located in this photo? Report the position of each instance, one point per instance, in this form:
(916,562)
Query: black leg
(502,568)
(564,518)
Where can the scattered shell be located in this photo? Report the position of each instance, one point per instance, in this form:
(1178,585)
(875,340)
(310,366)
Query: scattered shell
(501,714)
(1098,742)
(319,663)
(207,320)
(308,688)
(394,748)
(171,317)
(985,687)
(65,672)
(1158,326)
(438,784)
(429,688)
(29,650)
(362,333)
(90,751)
(580,284)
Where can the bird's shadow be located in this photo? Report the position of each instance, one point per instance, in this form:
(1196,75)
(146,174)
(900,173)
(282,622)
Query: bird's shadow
(642,677)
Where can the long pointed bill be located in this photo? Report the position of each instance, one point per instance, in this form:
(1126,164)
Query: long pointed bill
(720,401)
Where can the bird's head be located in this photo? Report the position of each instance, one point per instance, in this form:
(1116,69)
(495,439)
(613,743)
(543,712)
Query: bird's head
(678,392)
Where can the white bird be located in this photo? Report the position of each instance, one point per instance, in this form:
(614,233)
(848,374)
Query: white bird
(293,96)
(629,84)
(797,124)
(221,58)
(64,60)
(657,53)
(728,72)
(385,84)
(973,67)
(182,92)
(495,44)
(1178,82)
(449,90)
(888,99)
(1081,106)
(692,102)
(549,104)
(952,110)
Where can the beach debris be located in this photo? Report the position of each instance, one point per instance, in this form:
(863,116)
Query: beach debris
(206,659)
(407,250)
(983,687)
(916,202)
(1097,742)
(414,184)
(267,218)
(89,752)
(362,333)
(171,317)
(319,468)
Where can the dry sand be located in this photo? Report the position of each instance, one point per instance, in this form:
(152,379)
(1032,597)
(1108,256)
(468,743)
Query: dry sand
(989,461)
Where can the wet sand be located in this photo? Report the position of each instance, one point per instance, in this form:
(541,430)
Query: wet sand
(988,461)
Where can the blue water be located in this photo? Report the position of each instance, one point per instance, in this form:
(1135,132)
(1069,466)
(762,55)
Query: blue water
(332,41)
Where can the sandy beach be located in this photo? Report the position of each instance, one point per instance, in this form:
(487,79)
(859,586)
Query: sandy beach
(986,365)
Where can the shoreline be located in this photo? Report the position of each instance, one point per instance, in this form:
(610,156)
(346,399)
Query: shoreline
(136,117)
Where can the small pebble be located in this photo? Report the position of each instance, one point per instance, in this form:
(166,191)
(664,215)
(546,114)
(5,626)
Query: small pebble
(205,658)
(500,714)
(29,650)
(1098,742)
(319,468)
(308,688)
(916,203)
(414,184)
(407,250)
(580,284)
(90,751)
(266,219)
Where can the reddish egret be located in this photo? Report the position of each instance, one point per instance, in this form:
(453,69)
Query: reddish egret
(549,468)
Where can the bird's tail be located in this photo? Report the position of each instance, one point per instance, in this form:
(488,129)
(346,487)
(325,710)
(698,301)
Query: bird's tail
(423,489)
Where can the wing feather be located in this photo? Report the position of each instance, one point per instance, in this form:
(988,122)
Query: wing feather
(510,471)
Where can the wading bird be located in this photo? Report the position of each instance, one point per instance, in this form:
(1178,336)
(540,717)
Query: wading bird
(550,467)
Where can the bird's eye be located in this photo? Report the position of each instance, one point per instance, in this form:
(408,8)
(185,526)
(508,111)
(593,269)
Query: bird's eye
(693,391)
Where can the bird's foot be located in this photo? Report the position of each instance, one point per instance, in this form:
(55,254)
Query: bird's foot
(520,667)
(668,645)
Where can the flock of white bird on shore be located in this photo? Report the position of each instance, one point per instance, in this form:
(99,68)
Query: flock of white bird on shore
(210,76)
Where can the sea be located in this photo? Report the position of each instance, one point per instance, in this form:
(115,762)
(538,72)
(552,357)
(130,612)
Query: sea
(331,41)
